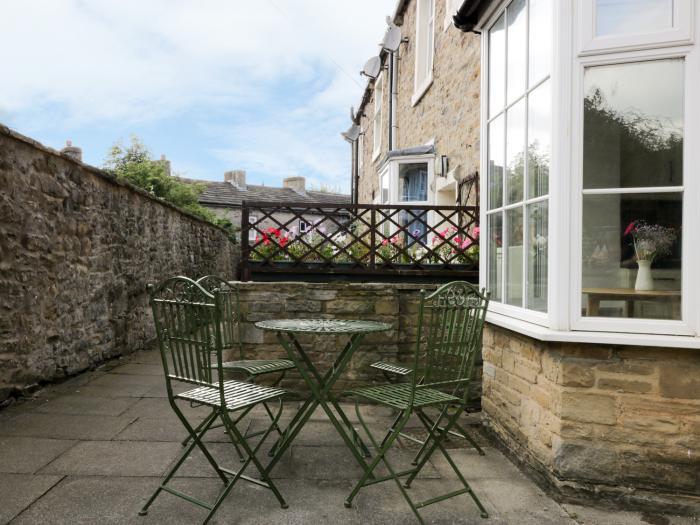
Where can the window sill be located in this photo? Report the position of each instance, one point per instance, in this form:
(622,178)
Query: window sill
(421,90)
(605,338)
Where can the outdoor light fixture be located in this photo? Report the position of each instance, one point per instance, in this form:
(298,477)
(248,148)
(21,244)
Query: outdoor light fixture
(444,165)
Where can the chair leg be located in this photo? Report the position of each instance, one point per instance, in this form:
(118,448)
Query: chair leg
(381,456)
(436,425)
(252,454)
(436,442)
(196,441)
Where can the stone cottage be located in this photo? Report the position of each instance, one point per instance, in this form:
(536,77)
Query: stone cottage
(225,200)
(580,117)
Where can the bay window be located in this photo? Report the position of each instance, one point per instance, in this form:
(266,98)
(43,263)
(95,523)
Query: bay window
(589,112)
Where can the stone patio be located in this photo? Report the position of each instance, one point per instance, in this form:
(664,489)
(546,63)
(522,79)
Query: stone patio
(92,449)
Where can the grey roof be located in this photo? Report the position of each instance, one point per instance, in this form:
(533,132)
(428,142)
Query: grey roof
(226,194)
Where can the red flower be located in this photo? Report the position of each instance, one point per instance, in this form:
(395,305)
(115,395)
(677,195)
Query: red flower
(284,241)
(266,241)
(274,231)
(630,228)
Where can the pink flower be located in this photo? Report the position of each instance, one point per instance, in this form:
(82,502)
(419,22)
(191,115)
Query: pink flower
(467,243)
(630,228)
(385,242)
(476,231)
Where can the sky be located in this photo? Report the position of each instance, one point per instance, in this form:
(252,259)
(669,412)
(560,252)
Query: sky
(215,85)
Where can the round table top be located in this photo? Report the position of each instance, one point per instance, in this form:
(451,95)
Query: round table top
(323,326)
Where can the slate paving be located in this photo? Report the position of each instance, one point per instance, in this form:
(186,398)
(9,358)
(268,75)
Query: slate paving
(92,449)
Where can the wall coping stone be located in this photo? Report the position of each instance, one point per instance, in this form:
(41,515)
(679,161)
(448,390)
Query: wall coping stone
(103,174)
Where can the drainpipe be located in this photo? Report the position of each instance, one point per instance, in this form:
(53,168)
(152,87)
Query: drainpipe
(393,98)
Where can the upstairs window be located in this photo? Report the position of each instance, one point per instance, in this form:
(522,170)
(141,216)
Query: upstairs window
(425,43)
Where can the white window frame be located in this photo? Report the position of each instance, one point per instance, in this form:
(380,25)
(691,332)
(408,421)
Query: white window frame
(391,170)
(424,48)
(530,316)
(377,118)
(563,321)
(680,33)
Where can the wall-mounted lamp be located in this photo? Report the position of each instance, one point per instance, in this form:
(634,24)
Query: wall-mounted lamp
(444,165)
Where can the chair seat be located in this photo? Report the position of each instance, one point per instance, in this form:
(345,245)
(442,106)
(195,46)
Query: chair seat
(398,395)
(236,393)
(259,366)
(391,368)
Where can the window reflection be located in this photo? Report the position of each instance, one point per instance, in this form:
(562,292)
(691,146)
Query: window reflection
(497,66)
(514,257)
(515,152)
(540,54)
(496,162)
(633,125)
(413,182)
(619,17)
(539,140)
(516,16)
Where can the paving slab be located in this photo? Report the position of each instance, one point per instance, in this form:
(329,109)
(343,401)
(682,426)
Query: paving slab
(64,426)
(26,455)
(140,369)
(126,380)
(76,404)
(157,408)
(115,458)
(18,491)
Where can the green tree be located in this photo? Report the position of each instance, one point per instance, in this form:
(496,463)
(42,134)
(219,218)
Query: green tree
(134,164)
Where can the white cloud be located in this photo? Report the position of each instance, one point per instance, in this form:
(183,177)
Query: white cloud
(135,60)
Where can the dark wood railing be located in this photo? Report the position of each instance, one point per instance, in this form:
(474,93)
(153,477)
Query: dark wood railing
(358,239)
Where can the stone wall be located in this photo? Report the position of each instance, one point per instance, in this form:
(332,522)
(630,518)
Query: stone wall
(77,248)
(396,304)
(617,422)
(448,113)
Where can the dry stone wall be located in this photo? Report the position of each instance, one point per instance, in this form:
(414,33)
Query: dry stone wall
(396,304)
(618,422)
(77,248)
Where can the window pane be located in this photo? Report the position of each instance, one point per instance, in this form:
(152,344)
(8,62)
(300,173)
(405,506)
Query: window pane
(416,222)
(633,125)
(613,249)
(515,152)
(540,39)
(537,231)
(517,49)
(413,182)
(497,66)
(496,149)
(539,140)
(495,261)
(514,257)
(617,17)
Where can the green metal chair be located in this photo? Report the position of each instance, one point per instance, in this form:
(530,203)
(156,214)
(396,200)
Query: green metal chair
(231,340)
(188,322)
(394,374)
(451,322)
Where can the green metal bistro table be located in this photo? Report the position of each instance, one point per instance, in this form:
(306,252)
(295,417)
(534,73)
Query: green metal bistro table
(320,386)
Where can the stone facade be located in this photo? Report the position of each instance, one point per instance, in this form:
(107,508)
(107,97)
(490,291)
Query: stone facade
(447,114)
(396,304)
(77,248)
(614,422)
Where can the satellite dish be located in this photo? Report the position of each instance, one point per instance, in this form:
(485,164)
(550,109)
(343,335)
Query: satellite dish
(352,134)
(372,67)
(392,38)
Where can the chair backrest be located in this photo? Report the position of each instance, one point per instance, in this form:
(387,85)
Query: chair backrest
(230,310)
(187,325)
(451,323)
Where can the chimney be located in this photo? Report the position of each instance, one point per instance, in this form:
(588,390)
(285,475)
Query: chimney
(72,152)
(165,163)
(236,177)
(297,184)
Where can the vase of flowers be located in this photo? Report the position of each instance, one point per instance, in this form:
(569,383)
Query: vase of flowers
(650,241)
